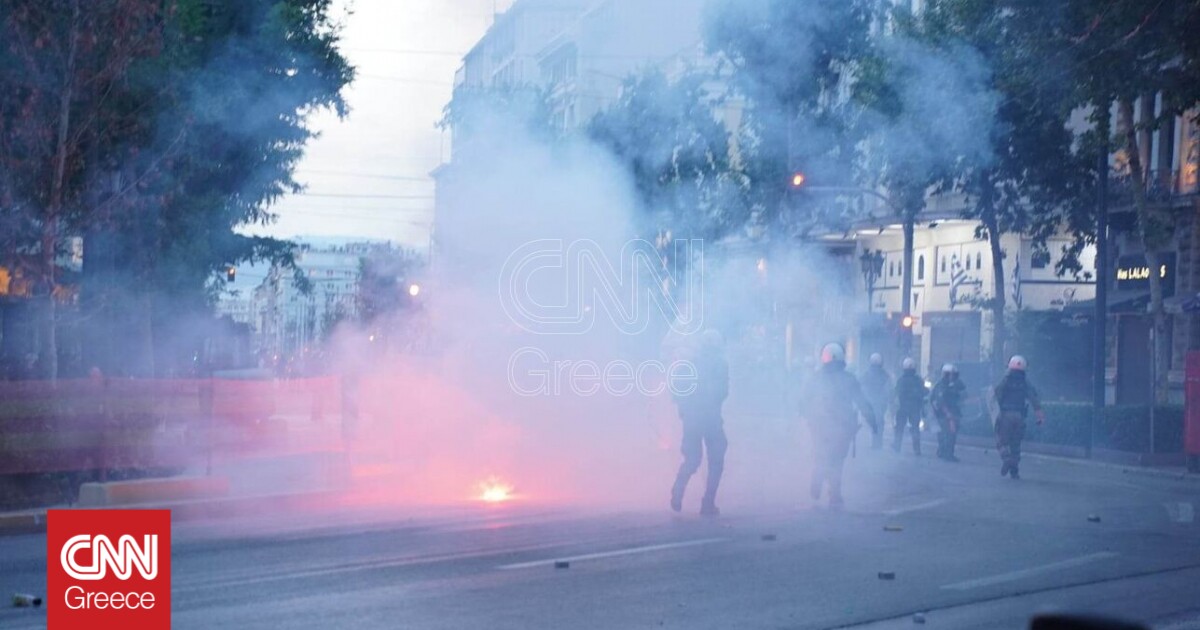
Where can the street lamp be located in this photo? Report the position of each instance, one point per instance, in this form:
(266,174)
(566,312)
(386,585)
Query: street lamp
(872,269)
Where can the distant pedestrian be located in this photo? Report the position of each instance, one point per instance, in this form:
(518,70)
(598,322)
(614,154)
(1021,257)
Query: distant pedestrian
(946,400)
(910,396)
(831,402)
(1014,396)
(877,386)
(703,426)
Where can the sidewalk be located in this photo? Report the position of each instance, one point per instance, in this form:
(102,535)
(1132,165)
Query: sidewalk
(255,485)
(1132,463)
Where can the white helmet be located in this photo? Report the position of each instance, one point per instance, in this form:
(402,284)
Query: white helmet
(876,359)
(1018,363)
(908,363)
(833,352)
(949,368)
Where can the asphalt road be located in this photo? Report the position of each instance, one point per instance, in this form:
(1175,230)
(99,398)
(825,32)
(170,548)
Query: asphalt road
(973,551)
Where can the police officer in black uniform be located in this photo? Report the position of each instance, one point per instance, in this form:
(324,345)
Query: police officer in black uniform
(946,400)
(831,402)
(877,386)
(911,393)
(703,426)
(1014,396)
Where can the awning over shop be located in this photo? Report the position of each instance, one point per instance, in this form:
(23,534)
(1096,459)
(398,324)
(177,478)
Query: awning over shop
(1120,303)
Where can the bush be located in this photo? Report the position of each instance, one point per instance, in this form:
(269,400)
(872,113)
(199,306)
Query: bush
(1122,428)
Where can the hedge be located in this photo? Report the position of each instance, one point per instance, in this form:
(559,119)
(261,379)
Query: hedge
(1122,427)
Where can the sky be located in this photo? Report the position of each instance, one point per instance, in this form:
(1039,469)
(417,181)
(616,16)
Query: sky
(367,176)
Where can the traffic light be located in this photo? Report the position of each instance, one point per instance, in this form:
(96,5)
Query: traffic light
(231,274)
(798,180)
(905,340)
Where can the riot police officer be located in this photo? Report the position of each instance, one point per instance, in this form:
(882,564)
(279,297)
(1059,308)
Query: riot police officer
(703,426)
(831,402)
(1014,395)
(877,386)
(910,396)
(946,400)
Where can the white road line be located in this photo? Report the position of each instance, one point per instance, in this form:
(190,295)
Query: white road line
(1032,571)
(914,508)
(392,563)
(613,554)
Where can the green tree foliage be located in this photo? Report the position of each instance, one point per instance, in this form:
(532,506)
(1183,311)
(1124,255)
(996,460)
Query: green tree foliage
(176,122)
(1120,55)
(668,136)
(1031,180)
(788,65)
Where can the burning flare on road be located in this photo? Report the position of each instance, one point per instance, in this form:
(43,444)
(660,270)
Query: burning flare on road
(495,491)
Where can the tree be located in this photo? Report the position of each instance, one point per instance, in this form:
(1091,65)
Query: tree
(668,136)
(1130,54)
(789,67)
(186,127)
(61,65)
(1030,181)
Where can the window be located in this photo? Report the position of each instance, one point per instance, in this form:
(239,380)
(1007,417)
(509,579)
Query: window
(978,261)
(921,268)
(1040,259)
(943,264)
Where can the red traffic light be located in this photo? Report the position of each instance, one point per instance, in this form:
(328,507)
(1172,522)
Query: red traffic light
(907,321)
(231,274)
(798,179)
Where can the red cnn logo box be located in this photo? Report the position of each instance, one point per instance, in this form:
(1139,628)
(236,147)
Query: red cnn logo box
(108,569)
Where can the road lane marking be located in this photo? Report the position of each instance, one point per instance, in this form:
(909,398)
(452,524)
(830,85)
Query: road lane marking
(1181,512)
(370,565)
(629,551)
(914,508)
(1030,572)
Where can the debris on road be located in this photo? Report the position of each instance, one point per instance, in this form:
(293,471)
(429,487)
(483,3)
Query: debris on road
(1092,518)
(887,575)
(23,600)
(769,538)
(919,618)
(562,564)
(892,528)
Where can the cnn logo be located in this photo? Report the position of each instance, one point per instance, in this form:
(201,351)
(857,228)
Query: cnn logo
(123,557)
(113,569)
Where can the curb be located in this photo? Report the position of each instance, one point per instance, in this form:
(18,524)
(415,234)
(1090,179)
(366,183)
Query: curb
(121,493)
(34,521)
(1064,454)
(30,522)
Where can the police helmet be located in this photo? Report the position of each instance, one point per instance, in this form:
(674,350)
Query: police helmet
(1018,363)
(833,352)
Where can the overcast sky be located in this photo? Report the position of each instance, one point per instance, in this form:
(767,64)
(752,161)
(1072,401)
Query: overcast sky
(367,175)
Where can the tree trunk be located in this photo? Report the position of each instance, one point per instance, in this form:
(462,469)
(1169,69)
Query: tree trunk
(50,224)
(999,301)
(1154,236)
